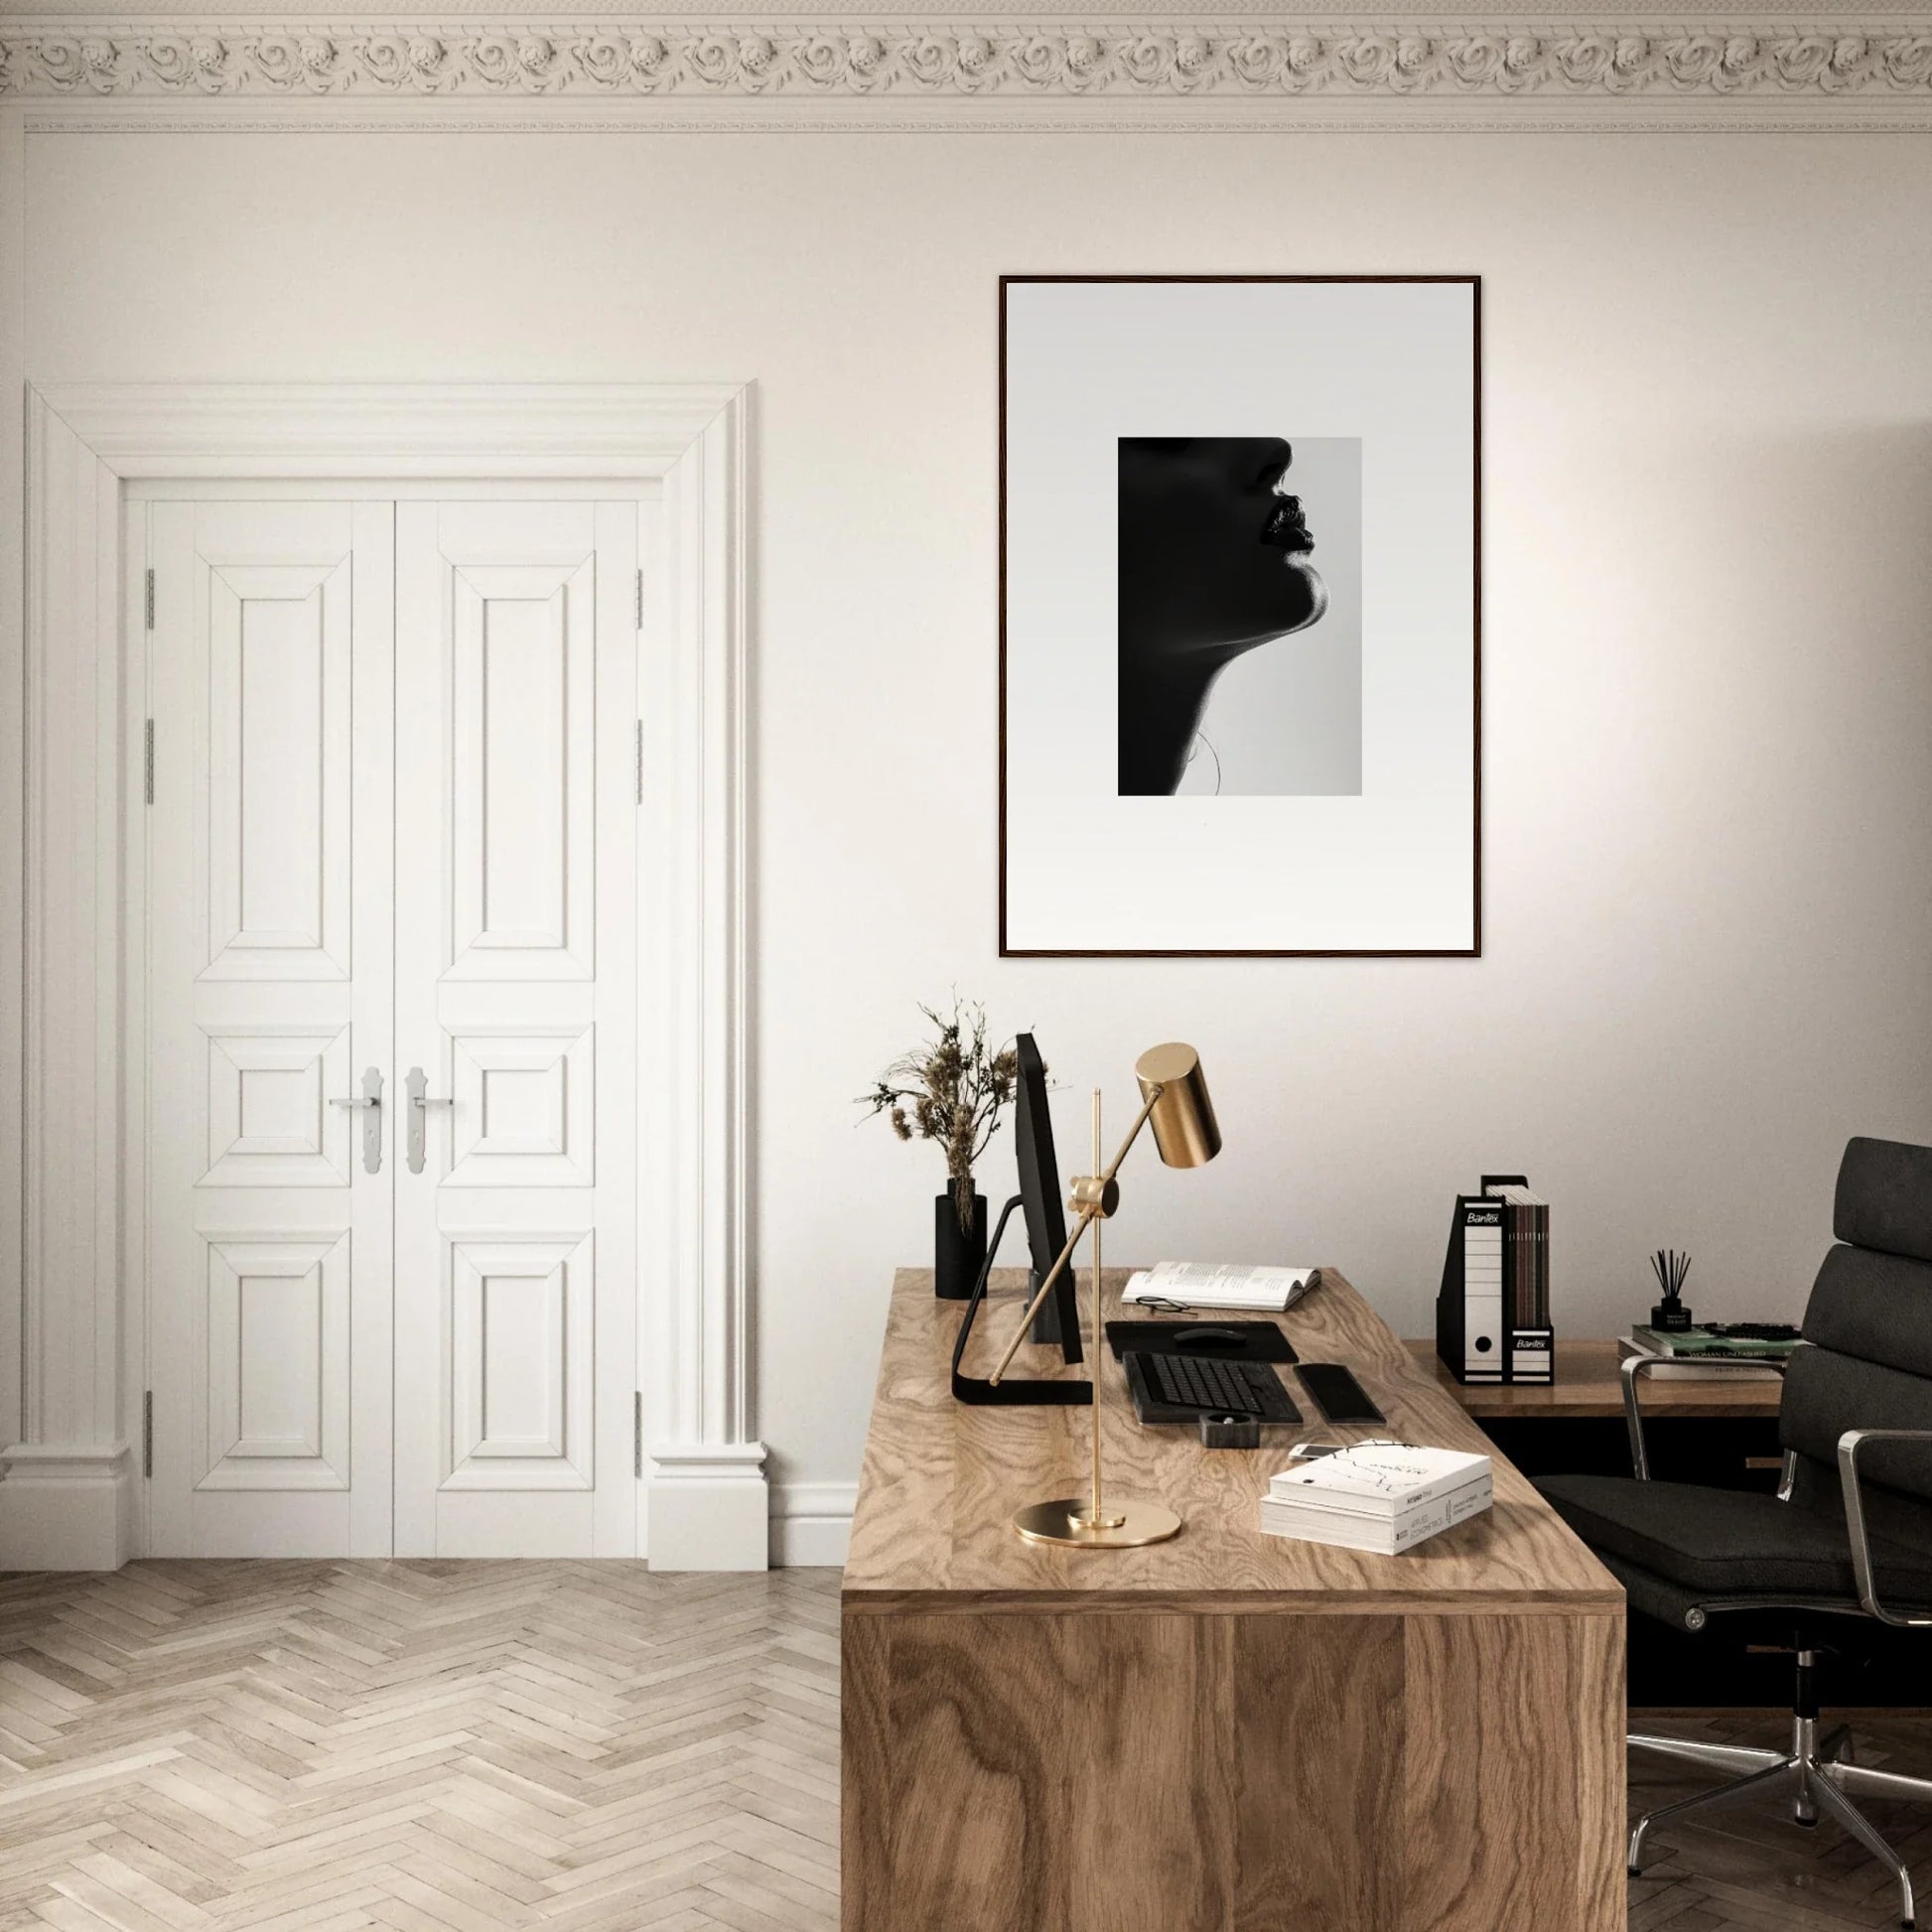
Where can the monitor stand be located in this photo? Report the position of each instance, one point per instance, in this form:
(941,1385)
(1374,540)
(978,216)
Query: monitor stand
(1013,1391)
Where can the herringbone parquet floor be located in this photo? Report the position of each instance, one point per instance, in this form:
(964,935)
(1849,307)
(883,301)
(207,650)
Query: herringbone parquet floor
(430,1746)
(1756,1867)
(458,1748)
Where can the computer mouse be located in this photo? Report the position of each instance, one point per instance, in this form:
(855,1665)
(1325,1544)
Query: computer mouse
(1207,1337)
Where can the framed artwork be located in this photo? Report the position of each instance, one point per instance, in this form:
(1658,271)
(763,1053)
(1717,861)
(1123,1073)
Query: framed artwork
(1240,583)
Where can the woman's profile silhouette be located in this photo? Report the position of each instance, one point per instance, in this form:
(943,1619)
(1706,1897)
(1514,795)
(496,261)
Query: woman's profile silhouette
(1214,559)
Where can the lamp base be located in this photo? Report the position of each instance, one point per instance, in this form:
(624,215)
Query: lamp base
(1129,1526)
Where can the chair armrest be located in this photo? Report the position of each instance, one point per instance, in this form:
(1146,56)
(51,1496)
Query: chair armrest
(1848,1446)
(1634,1367)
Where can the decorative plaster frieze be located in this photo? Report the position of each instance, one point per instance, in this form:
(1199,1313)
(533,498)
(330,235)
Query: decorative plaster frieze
(1019,60)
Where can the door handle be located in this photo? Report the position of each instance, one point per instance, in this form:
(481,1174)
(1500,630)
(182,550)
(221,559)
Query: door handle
(420,1102)
(371,1099)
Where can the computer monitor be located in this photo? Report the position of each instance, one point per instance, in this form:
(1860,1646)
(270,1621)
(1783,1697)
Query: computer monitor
(1039,1197)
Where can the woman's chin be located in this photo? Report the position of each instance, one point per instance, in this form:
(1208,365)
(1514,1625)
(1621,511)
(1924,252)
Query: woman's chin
(1317,591)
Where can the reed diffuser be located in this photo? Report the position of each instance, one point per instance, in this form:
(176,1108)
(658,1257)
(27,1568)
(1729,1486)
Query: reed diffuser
(1670,1314)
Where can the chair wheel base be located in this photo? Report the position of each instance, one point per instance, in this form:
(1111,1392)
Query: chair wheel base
(1810,1824)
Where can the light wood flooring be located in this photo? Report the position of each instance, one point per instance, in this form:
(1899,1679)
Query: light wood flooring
(456,1747)
(431,1746)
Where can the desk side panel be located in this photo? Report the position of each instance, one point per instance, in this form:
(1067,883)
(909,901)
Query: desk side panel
(1317,1705)
(1148,1772)
(965,1785)
(1514,1773)
(865,1769)
(1054,1773)
(1152,1771)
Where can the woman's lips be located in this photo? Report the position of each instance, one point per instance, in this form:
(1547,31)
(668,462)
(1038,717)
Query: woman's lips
(1285,528)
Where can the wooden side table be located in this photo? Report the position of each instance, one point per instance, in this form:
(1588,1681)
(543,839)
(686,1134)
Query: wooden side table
(1721,1432)
(1588,1386)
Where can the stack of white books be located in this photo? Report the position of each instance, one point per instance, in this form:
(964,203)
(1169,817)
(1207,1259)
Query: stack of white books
(1379,1496)
(1217,1284)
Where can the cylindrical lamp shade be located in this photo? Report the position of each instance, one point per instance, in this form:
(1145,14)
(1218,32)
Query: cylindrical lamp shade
(1185,1128)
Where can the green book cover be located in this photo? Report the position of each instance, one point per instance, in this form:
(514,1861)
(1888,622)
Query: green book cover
(1701,1342)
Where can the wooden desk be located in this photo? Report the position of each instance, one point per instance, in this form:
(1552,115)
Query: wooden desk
(1588,1385)
(1227,1733)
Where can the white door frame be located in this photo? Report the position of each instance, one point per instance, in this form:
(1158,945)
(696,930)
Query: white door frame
(74,1337)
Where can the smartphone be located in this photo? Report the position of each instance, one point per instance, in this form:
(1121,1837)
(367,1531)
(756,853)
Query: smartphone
(1337,1393)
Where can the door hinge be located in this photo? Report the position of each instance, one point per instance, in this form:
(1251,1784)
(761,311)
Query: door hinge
(641,597)
(147,1434)
(150,600)
(640,760)
(637,1433)
(146,761)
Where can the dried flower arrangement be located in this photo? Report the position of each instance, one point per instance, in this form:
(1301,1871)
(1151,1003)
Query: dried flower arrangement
(952,1090)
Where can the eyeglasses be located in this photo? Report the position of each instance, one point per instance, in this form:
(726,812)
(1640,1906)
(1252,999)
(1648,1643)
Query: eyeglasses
(1311,1450)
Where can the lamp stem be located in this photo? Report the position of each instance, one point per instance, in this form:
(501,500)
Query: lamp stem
(1094,1360)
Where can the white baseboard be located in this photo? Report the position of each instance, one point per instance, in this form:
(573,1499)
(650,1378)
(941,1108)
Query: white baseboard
(811,1524)
(67,1508)
(709,1507)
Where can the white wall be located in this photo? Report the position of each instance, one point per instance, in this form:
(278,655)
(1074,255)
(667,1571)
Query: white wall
(1706,653)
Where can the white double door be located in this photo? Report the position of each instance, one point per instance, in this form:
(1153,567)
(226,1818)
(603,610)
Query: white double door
(392,1030)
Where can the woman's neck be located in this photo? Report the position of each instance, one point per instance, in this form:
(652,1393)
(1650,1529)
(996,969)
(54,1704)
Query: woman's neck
(1161,707)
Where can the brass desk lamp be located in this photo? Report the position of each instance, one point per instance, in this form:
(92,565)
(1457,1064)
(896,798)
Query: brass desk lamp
(1174,1101)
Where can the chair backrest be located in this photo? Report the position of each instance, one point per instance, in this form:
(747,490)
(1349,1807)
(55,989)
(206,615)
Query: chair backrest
(1869,1326)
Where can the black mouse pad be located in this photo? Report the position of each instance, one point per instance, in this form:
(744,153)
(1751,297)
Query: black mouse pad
(1223,1342)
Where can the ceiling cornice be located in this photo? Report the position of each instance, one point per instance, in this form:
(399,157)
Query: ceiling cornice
(1183,70)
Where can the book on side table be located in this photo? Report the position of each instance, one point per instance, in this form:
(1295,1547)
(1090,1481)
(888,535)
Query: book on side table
(1381,1497)
(1685,1353)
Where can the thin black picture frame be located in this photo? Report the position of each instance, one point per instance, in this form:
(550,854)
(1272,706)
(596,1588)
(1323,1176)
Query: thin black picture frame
(1475,949)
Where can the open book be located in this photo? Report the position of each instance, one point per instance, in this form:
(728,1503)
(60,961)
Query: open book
(1215,1284)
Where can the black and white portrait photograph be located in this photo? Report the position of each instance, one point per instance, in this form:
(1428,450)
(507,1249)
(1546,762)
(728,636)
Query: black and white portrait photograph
(1240,629)
(1239,615)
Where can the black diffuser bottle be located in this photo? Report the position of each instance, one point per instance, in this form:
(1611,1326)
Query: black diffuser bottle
(1670,1317)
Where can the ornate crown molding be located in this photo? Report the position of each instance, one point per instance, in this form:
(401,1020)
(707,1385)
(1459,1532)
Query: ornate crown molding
(1237,62)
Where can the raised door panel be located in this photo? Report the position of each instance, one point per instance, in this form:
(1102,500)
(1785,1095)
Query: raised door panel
(524,1107)
(520,691)
(521,1331)
(276,1363)
(269,990)
(516,632)
(278,776)
(270,1121)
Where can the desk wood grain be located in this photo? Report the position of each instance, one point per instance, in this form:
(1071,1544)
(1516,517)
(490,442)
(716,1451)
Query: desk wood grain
(1227,1733)
(940,1481)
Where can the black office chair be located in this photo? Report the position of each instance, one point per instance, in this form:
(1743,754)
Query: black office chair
(1849,1536)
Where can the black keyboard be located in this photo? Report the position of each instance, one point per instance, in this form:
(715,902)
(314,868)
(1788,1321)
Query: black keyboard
(1188,1386)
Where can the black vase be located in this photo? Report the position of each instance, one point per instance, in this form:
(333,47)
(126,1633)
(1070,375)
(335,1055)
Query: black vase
(957,1257)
